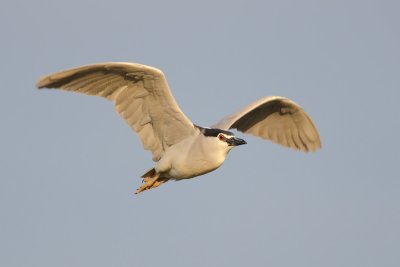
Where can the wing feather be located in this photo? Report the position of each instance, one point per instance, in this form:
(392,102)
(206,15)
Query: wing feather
(277,119)
(141,96)
(289,138)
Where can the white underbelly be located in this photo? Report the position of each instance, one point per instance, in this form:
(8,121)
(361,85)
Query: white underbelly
(191,168)
(187,160)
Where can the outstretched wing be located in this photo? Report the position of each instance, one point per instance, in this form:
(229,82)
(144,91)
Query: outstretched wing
(277,119)
(141,96)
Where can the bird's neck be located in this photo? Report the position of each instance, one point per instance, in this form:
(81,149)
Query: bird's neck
(209,149)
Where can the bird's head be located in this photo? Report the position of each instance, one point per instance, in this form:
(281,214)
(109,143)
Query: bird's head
(221,138)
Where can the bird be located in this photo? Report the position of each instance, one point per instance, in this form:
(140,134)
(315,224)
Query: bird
(180,148)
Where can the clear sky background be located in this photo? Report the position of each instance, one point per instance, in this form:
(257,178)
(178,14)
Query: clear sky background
(69,165)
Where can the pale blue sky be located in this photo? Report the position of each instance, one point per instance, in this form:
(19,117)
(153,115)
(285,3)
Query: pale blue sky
(69,165)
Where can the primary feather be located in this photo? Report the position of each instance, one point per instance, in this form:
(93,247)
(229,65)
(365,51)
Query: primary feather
(277,119)
(141,96)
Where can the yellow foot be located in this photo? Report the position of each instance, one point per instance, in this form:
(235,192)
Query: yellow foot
(149,183)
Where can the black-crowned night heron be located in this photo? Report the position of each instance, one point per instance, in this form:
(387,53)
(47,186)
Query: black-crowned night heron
(180,148)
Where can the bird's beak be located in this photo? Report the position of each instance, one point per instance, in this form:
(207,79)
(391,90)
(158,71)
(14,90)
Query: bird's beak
(234,141)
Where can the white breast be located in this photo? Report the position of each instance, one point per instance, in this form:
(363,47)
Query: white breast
(192,157)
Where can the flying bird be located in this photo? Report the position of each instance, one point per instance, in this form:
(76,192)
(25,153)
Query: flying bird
(180,148)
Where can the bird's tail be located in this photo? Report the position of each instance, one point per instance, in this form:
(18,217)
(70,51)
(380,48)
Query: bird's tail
(151,179)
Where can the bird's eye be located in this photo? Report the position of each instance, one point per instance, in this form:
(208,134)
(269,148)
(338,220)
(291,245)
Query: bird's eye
(221,137)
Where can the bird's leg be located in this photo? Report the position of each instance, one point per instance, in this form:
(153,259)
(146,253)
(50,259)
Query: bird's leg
(146,184)
(151,182)
(158,182)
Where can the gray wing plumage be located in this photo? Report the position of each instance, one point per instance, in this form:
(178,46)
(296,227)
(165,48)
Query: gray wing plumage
(141,96)
(277,119)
